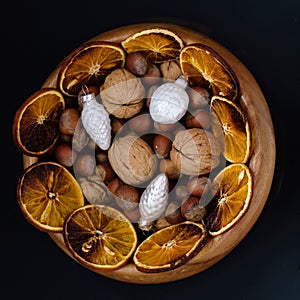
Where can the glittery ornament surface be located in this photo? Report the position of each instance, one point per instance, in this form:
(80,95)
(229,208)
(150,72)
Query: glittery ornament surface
(169,102)
(96,121)
(154,199)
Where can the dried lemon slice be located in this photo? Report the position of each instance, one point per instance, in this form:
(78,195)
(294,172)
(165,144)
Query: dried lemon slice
(47,194)
(170,247)
(205,67)
(232,189)
(36,122)
(89,64)
(159,44)
(229,119)
(100,237)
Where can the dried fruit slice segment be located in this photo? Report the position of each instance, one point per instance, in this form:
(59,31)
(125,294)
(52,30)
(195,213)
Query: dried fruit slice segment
(205,67)
(89,64)
(100,237)
(232,189)
(170,247)
(47,194)
(228,119)
(159,44)
(36,122)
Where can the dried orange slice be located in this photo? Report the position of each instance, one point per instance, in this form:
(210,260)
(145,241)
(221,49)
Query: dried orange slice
(36,122)
(170,247)
(100,237)
(235,128)
(47,194)
(205,67)
(89,64)
(159,44)
(232,189)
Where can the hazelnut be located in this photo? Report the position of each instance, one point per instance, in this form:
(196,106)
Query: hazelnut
(105,171)
(160,223)
(117,124)
(162,145)
(199,119)
(127,197)
(168,167)
(197,186)
(137,63)
(192,210)
(173,213)
(64,154)
(152,76)
(114,184)
(68,121)
(199,97)
(101,155)
(85,165)
(180,193)
(141,123)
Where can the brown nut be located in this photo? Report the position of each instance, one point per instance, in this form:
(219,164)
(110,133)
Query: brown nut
(68,121)
(195,151)
(122,94)
(114,184)
(192,210)
(136,63)
(141,124)
(85,165)
(127,197)
(64,154)
(197,186)
(105,171)
(162,145)
(132,159)
(199,97)
(133,215)
(152,76)
(199,119)
(173,213)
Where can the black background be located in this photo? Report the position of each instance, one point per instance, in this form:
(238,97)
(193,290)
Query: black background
(264,35)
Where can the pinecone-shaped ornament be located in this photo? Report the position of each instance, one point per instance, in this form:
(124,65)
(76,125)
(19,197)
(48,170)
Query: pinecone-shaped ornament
(153,201)
(95,119)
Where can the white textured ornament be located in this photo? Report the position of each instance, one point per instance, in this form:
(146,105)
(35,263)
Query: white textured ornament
(153,201)
(96,121)
(169,102)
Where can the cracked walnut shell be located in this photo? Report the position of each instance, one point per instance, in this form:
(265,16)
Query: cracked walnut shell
(122,94)
(132,159)
(195,151)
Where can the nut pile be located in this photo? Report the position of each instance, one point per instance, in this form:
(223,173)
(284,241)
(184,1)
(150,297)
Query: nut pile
(141,148)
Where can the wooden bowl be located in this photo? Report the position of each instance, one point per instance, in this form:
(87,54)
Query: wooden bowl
(262,162)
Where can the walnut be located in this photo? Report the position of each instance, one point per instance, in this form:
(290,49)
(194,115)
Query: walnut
(122,94)
(94,190)
(195,151)
(132,159)
(170,70)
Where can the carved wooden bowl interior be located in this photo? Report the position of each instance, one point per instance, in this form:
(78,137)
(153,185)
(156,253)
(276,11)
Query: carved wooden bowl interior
(262,162)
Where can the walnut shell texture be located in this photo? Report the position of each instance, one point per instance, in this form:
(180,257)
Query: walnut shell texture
(122,94)
(195,151)
(132,159)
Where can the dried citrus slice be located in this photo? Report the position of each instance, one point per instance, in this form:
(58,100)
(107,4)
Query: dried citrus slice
(235,128)
(36,122)
(170,247)
(232,189)
(205,67)
(47,194)
(159,44)
(89,64)
(100,237)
